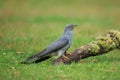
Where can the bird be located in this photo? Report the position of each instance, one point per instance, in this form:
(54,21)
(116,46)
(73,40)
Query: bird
(58,47)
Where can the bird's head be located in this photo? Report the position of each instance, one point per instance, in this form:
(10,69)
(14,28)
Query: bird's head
(69,27)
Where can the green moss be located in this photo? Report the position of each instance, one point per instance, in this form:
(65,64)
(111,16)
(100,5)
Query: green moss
(109,41)
(94,48)
(118,36)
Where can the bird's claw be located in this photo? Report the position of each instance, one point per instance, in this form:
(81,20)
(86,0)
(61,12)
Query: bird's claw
(65,57)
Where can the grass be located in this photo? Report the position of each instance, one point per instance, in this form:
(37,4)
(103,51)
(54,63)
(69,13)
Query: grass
(27,27)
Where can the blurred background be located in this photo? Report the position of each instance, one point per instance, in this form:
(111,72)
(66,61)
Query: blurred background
(28,26)
(39,19)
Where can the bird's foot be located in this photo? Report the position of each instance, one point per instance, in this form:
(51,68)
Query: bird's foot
(66,58)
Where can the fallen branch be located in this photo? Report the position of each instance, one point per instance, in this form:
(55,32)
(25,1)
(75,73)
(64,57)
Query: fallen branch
(103,44)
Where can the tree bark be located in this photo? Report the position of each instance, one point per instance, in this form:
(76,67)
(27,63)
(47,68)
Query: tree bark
(102,44)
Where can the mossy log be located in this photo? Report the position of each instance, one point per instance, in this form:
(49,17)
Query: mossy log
(102,44)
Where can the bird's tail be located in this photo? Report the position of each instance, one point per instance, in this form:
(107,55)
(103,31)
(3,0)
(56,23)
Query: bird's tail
(35,57)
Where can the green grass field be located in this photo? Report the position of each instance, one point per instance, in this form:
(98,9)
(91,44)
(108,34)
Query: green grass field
(28,26)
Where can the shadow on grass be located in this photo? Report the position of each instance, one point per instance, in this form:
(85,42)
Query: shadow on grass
(36,61)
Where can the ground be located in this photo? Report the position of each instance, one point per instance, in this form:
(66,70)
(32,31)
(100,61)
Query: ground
(28,26)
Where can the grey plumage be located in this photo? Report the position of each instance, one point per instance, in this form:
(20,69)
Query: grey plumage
(59,47)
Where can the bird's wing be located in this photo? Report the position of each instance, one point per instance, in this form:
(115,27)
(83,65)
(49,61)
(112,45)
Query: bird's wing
(57,45)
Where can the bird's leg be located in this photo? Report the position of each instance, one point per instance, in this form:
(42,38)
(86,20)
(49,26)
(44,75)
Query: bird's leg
(59,54)
(64,55)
